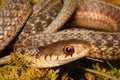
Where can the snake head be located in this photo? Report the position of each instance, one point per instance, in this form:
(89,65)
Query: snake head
(60,53)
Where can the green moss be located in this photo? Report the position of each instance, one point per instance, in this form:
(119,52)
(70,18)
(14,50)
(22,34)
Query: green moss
(2,2)
(17,69)
(33,1)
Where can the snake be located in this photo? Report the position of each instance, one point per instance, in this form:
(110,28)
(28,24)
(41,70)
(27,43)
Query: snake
(45,45)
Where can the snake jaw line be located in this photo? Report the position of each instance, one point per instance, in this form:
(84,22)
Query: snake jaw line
(55,56)
(42,63)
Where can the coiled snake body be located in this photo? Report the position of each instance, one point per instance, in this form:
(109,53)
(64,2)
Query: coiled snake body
(49,18)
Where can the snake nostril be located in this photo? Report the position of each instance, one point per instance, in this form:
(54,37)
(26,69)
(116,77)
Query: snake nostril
(68,49)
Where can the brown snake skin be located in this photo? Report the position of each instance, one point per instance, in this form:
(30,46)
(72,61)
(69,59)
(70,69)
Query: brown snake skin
(12,18)
(105,45)
(97,15)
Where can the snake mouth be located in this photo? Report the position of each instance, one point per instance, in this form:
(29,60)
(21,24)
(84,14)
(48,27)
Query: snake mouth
(54,61)
(59,53)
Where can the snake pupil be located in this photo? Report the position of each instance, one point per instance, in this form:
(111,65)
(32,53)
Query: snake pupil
(68,49)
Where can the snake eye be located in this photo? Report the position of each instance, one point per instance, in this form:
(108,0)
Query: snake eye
(68,49)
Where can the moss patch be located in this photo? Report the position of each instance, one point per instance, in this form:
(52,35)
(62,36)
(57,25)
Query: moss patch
(18,69)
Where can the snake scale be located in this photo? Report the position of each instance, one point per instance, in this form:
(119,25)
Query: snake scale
(40,34)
